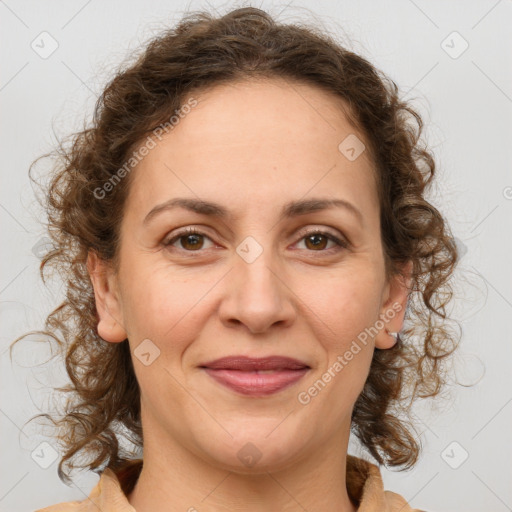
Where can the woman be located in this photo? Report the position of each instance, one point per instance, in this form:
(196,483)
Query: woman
(246,232)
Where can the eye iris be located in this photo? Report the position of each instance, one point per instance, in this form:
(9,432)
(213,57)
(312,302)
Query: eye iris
(314,239)
(193,240)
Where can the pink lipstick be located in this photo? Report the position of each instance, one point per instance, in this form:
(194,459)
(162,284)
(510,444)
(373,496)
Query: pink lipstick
(256,376)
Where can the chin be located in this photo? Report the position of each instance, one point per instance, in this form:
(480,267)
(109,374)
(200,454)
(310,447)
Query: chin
(257,449)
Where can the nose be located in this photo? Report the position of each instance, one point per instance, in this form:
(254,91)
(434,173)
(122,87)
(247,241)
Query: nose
(257,295)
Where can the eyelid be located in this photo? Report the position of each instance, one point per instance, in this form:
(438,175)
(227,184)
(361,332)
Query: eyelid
(189,230)
(341,241)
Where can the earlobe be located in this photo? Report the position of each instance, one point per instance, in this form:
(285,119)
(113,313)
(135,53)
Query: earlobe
(110,324)
(393,310)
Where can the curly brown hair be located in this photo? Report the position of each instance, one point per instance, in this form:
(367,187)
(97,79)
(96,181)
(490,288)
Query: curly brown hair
(103,400)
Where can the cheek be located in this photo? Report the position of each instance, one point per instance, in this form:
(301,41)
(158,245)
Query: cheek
(169,313)
(165,308)
(345,304)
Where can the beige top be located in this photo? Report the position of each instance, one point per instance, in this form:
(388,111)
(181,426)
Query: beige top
(364,485)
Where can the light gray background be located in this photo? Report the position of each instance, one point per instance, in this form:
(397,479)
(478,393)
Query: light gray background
(467,105)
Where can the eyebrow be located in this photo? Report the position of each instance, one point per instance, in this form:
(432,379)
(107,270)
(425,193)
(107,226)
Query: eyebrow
(289,210)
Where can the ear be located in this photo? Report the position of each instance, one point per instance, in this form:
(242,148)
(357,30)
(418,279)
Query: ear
(393,307)
(110,325)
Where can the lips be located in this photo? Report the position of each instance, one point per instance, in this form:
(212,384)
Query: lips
(248,364)
(256,376)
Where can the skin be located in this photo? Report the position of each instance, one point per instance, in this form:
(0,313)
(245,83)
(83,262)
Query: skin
(251,147)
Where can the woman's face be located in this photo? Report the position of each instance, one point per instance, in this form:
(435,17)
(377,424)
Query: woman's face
(253,282)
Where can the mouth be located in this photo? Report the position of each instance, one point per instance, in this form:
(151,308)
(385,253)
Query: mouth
(256,376)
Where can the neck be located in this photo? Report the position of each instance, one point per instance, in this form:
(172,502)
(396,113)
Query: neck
(175,479)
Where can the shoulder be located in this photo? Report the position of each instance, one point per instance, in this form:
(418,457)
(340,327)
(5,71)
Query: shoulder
(365,487)
(77,506)
(70,506)
(397,503)
(108,494)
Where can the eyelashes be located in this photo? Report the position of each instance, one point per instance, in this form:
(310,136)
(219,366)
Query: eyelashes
(189,233)
(326,235)
(194,239)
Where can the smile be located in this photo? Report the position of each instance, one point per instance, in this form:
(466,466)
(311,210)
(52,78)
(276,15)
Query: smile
(256,382)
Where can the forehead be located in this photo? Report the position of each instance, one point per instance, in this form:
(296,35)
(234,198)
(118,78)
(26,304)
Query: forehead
(247,142)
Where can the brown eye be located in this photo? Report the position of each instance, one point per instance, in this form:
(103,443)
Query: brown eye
(316,241)
(189,240)
(192,242)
